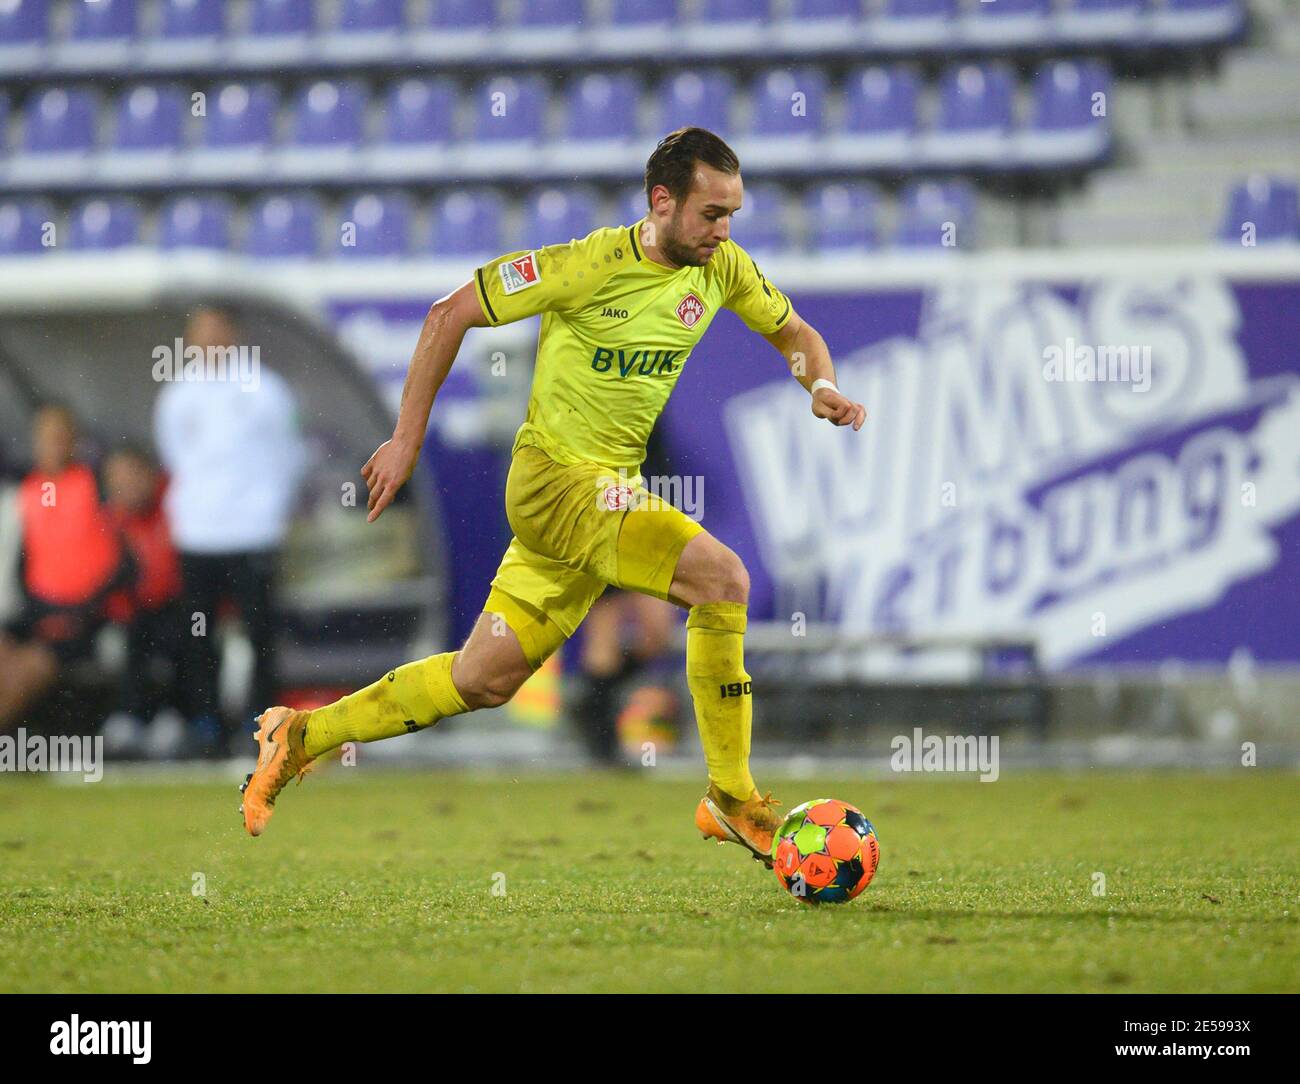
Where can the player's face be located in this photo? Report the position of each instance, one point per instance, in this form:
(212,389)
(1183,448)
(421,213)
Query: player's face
(698,224)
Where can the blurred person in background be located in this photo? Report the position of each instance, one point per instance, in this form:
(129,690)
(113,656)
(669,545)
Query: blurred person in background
(149,608)
(235,457)
(71,559)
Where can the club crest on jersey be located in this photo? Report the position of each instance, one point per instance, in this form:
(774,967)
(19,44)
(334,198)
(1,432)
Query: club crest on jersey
(520,274)
(617,497)
(690,309)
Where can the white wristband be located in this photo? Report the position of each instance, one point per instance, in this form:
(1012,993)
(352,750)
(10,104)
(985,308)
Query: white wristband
(819,383)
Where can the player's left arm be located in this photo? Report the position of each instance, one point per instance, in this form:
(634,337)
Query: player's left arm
(809,358)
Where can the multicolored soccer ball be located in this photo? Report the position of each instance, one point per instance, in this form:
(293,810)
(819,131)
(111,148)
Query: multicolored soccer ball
(825,852)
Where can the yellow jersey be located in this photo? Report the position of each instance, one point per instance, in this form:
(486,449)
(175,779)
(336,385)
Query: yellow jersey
(617,329)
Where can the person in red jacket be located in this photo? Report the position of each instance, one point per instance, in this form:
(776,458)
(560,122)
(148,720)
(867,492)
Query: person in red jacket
(72,560)
(149,607)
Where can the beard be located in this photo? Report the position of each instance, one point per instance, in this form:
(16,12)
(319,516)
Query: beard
(676,250)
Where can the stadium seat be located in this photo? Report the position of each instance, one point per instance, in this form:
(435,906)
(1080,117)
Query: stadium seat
(370,15)
(788,117)
(466,223)
(714,12)
(1096,21)
(701,98)
(23,30)
(23,225)
(733,26)
(760,225)
(241,115)
(1065,128)
(284,226)
(147,134)
(1194,21)
(192,19)
(642,12)
(101,224)
(600,127)
(327,119)
(420,111)
(915,24)
(820,25)
(842,217)
(637,28)
(554,216)
(463,14)
(379,225)
(506,127)
(1001,23)
(195,222)
(103,20)
(936,216)
(630,205)
(553,13)
(274,18)
(880,118)
(826,9)
(974,123)
(1267,207)
(59,131)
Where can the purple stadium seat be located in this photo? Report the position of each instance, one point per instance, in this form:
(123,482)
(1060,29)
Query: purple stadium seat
(932,214)
(463,14)
(632,205)
(192,19)
(102,20)
(1270,204)
(637,12)
(382,226)
(602,107)
(916,23)
(466,223)
(327,113)
(1181,21)
(195,222)
(22,226)
(513,116)
(1101,20)
(759,226)
(826,9)
(974,124)
(58,119)
(281,226)
(149,118)
(736,11)
(778,109)
(842,216)
(241,115)
(553,13)
(1009,22)
(100,224)
(1064,128)
(275,18)
(23,22)
(702,99)
(420,111)
(880,100)
(556,215)
(366,15)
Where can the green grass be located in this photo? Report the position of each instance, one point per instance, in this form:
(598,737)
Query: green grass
(381,881)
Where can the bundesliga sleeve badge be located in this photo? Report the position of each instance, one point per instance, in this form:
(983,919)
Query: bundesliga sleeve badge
(520,274)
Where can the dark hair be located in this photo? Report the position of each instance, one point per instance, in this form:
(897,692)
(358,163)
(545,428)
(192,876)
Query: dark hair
(673,162)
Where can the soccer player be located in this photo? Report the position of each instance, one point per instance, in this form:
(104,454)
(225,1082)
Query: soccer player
(621,311)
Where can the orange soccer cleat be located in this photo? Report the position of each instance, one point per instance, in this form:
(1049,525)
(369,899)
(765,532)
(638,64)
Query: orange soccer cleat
(280,756)
(750,823)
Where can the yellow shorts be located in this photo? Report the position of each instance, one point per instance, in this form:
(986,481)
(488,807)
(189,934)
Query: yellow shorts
(578,529)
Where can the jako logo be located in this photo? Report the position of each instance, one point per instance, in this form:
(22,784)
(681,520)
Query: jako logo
(76,1036)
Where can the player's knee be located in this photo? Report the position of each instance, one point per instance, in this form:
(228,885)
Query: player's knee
(489,690)
(731,579)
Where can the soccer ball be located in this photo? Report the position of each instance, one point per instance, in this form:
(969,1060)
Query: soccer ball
(825,852)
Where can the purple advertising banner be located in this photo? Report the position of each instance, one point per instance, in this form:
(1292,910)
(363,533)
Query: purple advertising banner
(1111,468)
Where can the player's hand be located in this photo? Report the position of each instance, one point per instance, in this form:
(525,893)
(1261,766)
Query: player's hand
(385,473)
(838,409)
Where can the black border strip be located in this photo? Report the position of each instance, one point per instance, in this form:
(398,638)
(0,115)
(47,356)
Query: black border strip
(482,289)
(631,236)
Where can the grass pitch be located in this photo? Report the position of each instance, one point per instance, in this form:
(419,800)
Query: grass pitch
(371,881)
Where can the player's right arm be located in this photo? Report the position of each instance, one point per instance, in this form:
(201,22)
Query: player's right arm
(444,329)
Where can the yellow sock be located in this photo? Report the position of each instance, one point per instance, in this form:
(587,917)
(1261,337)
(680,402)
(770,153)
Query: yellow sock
(401,702)
(715,673)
